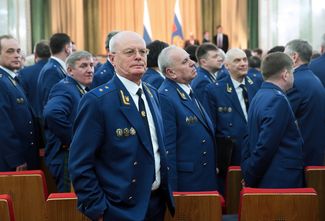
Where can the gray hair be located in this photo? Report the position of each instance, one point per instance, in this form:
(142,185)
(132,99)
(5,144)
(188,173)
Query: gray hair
(120,37)
(5,37)
(164,58)
(76,56)
(301,47)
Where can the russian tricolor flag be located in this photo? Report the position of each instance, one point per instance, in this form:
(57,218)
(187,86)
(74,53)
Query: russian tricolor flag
(177,34)
(147,34)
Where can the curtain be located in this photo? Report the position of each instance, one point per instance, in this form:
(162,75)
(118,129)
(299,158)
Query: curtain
(92,33)
(252,17)
(211,16)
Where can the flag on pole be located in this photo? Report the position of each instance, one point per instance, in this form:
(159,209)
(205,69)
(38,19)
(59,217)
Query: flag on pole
(146,22)
(177,33)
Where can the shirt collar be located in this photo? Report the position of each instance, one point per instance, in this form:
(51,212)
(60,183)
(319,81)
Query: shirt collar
(130,85)
(60,62)
(187,88)
(11,73)
(236,83)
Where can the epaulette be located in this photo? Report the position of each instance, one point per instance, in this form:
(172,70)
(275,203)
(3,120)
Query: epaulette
(101,90)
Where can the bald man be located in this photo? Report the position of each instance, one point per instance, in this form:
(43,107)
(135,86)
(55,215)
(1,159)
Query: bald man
(117,156)
(228,101)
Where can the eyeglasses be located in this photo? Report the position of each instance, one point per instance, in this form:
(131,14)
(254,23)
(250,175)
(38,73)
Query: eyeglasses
(129,52)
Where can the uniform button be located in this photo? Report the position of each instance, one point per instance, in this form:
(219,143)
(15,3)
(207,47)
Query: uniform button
(204,164)
(32,143)
(230,124)
(204,152)
(135,163)
(130,197)
(31,132)
(167,168)
(30,122)
(134,180)
(203,141)
(167,152)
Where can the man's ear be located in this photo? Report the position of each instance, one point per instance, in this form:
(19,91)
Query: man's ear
(111,57)
(170,73)
(69,70)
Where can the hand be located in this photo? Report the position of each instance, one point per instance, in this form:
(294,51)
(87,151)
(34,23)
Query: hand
(21,167)
(243,183)
(101,218)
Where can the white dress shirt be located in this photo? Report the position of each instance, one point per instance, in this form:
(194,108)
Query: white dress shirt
(239,92)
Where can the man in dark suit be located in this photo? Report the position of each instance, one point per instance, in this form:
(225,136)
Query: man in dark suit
(221,39)
(60,113)
(210,60)
(54,70)
(19,141)
(117,156)
(189,131)
(307,98)
(191,41)
(272,156)
(28,76)
(317,65)
(106,71)
(152,76)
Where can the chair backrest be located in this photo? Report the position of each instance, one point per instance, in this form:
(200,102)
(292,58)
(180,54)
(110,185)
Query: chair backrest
(28,192)
(63,206)
(298,204)
(233,187)
(194,206)
(315,178)
(6,208)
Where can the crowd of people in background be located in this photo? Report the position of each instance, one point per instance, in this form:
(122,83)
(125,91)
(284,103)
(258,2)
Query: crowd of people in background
(158,118)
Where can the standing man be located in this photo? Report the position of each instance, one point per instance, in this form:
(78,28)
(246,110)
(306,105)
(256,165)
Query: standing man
(221,39)
(117,156)
(317,65)
(60,113)
(228,102)
(19,143)
(54,70)
(210,60)
(28,76)
(307,98)
(189,138)
(273,155)
(106,71)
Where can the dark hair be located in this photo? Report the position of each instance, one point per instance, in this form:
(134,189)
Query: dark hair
(248,52)
(254,62)
(278,48)
(191,50)
(155,48)
(274,63)
(58,41)
(109,37)
(42,49)
(203,50)
(302,48)
(258,51)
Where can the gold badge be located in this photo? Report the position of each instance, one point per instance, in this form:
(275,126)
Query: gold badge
(20,100)
(132,131)
(125,99)
(101,90)
(187,120)
(249,80)
(195,119)
(229,88)
(225,109)
(106,87)
(119,132)
(126,132)
(181,94)
(143,113)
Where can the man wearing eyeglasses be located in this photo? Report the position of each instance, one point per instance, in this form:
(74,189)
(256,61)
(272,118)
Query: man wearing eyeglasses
(117,158)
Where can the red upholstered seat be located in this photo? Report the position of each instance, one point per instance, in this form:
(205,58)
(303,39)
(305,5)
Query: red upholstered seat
(278,204)
(6,208)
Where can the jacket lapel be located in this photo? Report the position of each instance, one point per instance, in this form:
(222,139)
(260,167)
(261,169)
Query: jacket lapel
(232,95)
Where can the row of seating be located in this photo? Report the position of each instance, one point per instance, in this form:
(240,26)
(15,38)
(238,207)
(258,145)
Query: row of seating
(26,198)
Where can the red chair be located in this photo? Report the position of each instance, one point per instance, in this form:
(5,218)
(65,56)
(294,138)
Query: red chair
(63,206)
(300,204)
(233,187)
(28,192)
(6,208)
(200,206)
(315,178)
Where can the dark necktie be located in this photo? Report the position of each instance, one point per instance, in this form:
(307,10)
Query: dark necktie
(143,113)
(245,95)
(86,89)
(197,104)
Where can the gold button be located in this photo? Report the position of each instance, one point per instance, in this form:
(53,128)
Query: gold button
(204,152)
(204,164)
(134,180)
(130,197)
(135,163)
(203,141)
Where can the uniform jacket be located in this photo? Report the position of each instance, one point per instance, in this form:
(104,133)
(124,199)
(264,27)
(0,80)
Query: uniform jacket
(226,113)
(59,115)
(153,78)
(317,66)
(51,73)
(273,156)
(199,83)
(103,74)
(18,134)
(28,80)
(307,98)
(111,163)
(189,141)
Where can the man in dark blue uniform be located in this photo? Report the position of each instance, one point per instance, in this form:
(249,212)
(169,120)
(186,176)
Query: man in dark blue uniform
(106,71)
(117,156)
(307,98)
(60,113)
(317,65)
(189,132)
(272,156)
(28,76)
(19,141)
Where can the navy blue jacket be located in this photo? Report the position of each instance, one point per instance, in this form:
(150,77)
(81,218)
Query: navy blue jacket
(272,157)
(307,98)
(152,77)
(317,66)
(103,74)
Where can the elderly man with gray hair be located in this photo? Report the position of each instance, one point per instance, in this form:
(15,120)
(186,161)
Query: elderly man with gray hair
(60,113)
(307,98)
